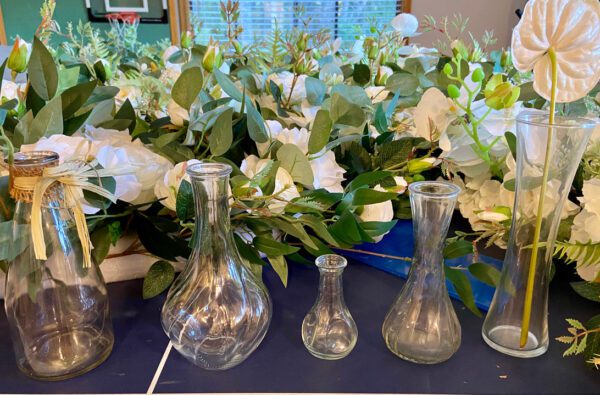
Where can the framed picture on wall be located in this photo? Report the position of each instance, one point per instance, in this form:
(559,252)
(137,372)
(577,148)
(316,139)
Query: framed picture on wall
(148,11)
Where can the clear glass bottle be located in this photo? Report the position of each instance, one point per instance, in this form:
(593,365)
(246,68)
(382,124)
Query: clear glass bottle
(217,312)
(57,309)
(328,330)
(421,326)
(502,329)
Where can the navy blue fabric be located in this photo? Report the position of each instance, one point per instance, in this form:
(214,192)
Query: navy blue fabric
(281,363)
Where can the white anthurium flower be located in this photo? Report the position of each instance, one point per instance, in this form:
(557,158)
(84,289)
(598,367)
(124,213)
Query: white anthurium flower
(377,94)
(406,25)
(458,148)
(327,173)
(285,189)
(378,212)
(177,113)
(570,28)
(167,188)
(68,148)
(498,122)
(433,114)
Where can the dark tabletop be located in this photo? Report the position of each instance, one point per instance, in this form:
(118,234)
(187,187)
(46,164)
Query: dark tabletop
(282,364)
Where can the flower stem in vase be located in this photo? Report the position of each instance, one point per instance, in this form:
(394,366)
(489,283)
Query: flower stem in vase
(540,209)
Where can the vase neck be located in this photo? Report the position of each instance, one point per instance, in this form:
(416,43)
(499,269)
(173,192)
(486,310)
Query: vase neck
(331,289)
(432,206)
(210,184)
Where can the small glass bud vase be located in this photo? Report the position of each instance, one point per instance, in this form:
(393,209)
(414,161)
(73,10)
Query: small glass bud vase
(217,312)
(421,326)
(328,330)
(57,308)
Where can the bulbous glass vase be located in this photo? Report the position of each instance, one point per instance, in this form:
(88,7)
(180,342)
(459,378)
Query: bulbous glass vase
(216,312)
(57,309)
(567,138)
(328,330)
(421,326)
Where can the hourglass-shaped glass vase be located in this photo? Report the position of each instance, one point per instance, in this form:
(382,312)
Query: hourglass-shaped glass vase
(217,312)
(509,327)
(328,330)
(421,326)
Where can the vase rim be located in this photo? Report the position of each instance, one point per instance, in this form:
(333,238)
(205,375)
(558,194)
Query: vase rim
(435,189)
(539,118)
(331,262)
(209,169)
(34,158)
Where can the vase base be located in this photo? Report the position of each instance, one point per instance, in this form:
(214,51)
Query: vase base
(329,357)
(505,339)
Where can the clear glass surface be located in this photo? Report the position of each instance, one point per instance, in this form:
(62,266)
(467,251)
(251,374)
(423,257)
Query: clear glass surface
(217,312)
(502,326)
(328,330)
(57,309)
(421,326)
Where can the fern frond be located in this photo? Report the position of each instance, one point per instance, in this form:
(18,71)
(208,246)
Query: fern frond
(585,254)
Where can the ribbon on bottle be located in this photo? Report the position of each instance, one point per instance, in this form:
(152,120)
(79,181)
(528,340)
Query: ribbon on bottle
(74,178)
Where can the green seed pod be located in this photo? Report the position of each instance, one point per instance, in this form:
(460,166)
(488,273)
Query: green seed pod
(478,75)
(448,69)
(453,91)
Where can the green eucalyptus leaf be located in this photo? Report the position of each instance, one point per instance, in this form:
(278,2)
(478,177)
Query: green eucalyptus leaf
(256,123)
(42,71)
(247,251)
(321,130)
(361,74)
(221,136)
(228,86)
(296,163)
(159,277)
(187,87)
(315,90)
(590,291)
(345,112)
(404,83)
(371,178)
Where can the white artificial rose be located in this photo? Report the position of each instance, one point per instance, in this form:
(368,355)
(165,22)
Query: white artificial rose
(151,168)
(570,28)
(170,51)
(378,212)
(327,173)
(406,25)
(284,81)
(273,129)
(68,148)
(285,189)
(127,91)
(101,137)
(167,188)
(177,113)
(128,187)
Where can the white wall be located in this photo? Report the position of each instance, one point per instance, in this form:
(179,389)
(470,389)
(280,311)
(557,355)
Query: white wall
(496,15)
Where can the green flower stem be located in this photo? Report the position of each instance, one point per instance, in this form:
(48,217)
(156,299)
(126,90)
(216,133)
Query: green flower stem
(540,210)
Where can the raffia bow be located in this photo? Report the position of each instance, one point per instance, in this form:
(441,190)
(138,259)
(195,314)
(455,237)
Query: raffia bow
(74,177)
